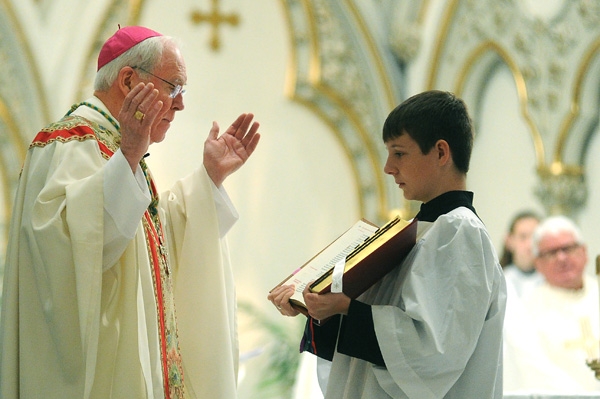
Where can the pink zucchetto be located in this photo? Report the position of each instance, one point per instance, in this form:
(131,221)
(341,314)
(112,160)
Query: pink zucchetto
(124,39)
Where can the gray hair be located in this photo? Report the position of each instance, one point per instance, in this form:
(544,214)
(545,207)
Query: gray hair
(552,226)
(146,55)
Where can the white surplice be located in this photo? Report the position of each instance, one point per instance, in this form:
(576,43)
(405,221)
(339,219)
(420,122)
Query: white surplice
(438,320)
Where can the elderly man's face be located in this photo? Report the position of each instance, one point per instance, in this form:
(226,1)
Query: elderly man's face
(561,260)
(172,69)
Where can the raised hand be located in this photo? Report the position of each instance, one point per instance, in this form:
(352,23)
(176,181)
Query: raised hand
(225,154)
(136,117)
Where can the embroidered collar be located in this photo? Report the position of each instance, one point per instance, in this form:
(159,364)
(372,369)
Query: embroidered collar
(445,203)
(109,118)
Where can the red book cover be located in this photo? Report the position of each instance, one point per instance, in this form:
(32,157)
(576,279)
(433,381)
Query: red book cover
(370,262)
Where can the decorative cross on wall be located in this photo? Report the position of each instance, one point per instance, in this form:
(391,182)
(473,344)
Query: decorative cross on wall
(215,18)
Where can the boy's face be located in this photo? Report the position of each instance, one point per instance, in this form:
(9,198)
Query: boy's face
(414,172)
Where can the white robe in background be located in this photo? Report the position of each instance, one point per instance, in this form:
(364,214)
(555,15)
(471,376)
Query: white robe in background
(79,314)
(438,320)
(522,282)
(549,335)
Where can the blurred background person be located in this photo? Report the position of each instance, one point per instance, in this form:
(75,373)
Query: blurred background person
(549,338)
(517,258)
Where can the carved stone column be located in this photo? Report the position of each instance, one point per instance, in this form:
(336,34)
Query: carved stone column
(562,190)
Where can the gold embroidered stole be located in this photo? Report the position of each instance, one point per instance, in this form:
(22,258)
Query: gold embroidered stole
(161,273)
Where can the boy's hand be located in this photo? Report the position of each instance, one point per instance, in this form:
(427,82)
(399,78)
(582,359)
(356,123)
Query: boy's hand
(322,306)
(280,297)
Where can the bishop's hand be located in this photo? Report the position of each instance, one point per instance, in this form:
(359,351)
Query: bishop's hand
(225,154)
(137,114)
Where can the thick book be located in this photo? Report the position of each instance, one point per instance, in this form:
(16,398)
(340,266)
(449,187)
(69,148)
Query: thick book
(368,252)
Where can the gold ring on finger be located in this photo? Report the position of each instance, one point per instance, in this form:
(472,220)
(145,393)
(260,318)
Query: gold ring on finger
(139,115)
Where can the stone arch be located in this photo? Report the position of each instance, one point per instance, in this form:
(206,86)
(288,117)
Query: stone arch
(582,121)
(346,76)
(23,109)
(475,74)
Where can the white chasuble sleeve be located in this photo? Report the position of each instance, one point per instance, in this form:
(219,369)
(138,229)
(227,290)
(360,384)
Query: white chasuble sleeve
(61,244)
(204,288)
(122,218)
(85,203)
(79,331)
(441,319)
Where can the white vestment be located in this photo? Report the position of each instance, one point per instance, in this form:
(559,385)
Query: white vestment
(521,281)
(79,314)
(549,335)
(438,320)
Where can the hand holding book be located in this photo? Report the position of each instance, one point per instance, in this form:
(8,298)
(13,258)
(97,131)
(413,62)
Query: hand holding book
(321,306)
(280,297)
(323,262)
(368,253)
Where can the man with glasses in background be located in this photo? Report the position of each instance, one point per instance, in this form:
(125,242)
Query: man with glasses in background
(112,290)
(551,335)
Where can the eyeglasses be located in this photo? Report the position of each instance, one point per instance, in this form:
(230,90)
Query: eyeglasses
(568,250)
(177,89)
